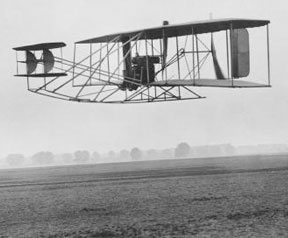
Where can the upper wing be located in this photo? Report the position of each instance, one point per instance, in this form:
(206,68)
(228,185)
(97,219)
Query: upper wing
(198,27)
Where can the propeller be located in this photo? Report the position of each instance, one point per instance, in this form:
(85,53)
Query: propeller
(217,68)
(31,61)
(48,61)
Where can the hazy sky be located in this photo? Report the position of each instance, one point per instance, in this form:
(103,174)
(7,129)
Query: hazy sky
(31,123)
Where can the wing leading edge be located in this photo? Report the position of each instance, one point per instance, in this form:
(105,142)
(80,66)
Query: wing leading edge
(199,27)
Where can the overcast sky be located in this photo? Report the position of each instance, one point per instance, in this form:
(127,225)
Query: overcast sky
(30,123)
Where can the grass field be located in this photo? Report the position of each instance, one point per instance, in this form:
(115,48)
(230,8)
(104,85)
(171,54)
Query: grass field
(215,197)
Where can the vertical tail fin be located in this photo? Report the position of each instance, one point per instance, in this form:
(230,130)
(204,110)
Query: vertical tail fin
(240,54)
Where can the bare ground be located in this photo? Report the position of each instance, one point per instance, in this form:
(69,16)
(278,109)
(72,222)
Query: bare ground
(222,197)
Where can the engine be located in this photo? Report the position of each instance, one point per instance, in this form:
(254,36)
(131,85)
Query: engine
(142,72)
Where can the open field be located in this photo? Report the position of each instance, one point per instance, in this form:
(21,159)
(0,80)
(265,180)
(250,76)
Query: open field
(215,197)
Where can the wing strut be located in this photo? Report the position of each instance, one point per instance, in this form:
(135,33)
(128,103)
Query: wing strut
(165,46)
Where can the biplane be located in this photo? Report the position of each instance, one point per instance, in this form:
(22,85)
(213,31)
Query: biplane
(158,64)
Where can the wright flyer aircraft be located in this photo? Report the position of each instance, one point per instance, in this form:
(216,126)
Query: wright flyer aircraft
(165,63)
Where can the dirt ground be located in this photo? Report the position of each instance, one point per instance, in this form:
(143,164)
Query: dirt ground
(221,197)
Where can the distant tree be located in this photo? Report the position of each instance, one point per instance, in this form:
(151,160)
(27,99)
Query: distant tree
(124,155)
(95,157)
(81,156)
(229,150)
(67,158)
(166,154)
(152,154)
(111,155)
(136,154)
(43,158)
(182,150)
(15,159)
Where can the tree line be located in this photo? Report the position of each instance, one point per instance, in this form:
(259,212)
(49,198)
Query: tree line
(46,158)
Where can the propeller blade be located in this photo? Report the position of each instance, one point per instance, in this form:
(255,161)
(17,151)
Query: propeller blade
(31,62)
(48,60)
(217,68)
